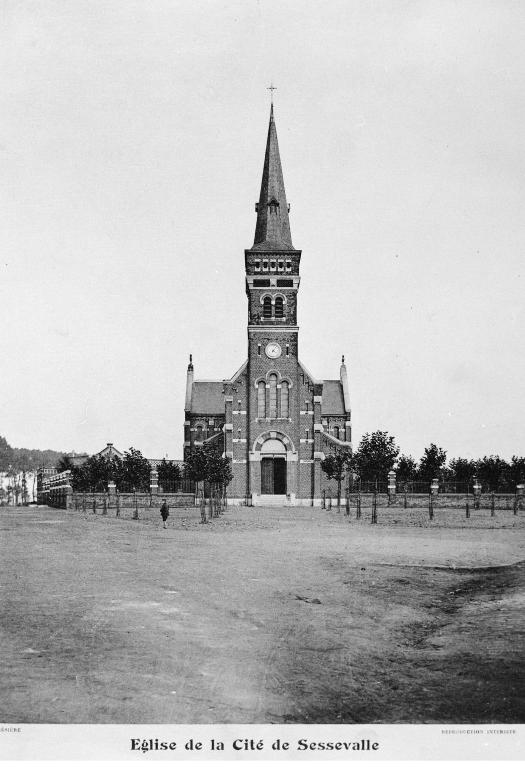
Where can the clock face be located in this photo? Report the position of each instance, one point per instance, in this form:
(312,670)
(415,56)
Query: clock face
(273,350)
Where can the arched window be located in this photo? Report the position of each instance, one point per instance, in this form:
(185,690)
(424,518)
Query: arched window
(279,309)
(198,434)
(261,399)
(284,399)
(272,400)
(336,432)
(267,307)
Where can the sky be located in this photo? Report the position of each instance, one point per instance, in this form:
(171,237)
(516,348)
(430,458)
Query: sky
(132,139)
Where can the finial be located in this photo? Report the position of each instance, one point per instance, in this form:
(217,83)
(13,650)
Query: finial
(190,366)
(271,88)
(343,360)
(191,358)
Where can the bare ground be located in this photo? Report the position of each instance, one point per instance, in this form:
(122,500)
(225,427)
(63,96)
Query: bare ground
(265,615)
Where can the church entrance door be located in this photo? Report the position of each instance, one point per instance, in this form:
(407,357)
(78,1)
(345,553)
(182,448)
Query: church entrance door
(273,475)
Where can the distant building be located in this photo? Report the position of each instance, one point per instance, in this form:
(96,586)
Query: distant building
(272,418)
(78,459)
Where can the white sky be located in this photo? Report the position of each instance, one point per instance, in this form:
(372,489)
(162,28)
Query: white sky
(132,139)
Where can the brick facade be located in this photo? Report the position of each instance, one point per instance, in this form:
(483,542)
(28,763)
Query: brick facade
(272,418)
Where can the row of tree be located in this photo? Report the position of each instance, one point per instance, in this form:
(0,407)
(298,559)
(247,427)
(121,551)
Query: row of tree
(133,471)
(378,454)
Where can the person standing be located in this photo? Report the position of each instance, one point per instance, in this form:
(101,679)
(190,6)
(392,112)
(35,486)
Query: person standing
(164,513)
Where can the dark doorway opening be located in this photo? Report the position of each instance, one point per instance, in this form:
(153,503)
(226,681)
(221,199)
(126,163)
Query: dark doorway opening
(273,476)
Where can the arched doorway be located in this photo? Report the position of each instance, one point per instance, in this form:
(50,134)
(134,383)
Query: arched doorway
(273,468)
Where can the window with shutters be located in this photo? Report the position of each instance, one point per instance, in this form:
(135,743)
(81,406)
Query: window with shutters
(279,308)
(267,307)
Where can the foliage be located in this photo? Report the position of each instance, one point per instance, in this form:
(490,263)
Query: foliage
(335,466)
(462,470)
(169,474)
(376,456)
(131,473)
(20,459)
(406,468)
(65,464)
(95,473)
(205,464)
(135,472)
(516,471)
(494,472)
(432,463)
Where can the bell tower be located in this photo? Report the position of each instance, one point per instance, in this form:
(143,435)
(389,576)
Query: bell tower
(272,283)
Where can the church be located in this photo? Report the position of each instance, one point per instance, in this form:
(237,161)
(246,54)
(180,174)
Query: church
(272,418)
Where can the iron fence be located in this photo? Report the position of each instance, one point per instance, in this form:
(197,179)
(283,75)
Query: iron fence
(367,486)
(183,485)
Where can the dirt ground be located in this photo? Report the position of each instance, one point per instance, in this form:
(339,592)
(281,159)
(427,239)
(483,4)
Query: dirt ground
(264,615)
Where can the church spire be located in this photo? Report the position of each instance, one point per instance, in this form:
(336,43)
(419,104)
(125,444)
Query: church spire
(272,231)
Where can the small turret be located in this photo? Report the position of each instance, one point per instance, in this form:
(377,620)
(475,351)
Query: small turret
(343,376)
(189,384)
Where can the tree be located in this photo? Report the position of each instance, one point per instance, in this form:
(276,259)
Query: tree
(205,464)
(462,470)
(169,474)
(432,463)
(95,473)
(406,468)
(493,472)
(335,466)
(376,456)
(136,470)
(64,464)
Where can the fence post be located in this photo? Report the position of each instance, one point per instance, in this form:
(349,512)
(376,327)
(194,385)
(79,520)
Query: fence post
(391,487)
(347,502)
(430,507)
(112,490)
(104,506)
(358,505)
(405,502)
(476,489)
(520,492)
(492,504)
(374,509)
(94,505)
(136,505)
(467,506)
(203,508)
(117,503)
(153,482)
(324,499)
(84,502)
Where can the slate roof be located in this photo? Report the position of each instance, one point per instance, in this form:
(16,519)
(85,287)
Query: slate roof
(207,397)
(333,399)
(272,231)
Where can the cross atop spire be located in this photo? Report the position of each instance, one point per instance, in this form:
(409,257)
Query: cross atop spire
(271,88)
(272,231)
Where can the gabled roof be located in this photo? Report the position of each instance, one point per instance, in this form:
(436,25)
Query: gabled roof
(333,398)
(110,451)
(207,397)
